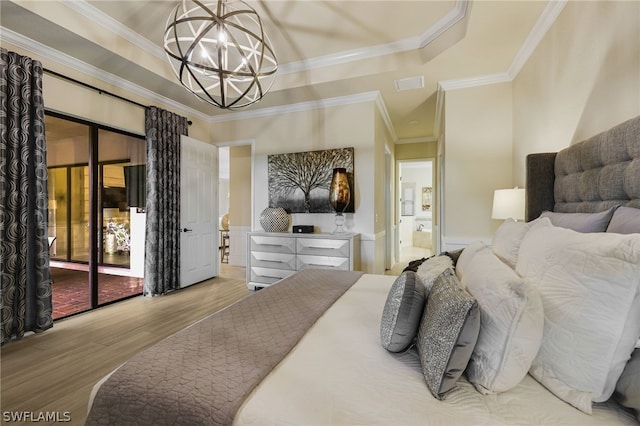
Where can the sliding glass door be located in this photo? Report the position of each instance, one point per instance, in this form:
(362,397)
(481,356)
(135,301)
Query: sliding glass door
(94,202)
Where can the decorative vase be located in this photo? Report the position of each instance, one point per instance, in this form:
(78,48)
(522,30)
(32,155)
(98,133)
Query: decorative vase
(224,223)
(339,196)
(274,219)
(110,244)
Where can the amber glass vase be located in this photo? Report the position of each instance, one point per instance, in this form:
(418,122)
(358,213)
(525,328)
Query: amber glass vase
(339,196)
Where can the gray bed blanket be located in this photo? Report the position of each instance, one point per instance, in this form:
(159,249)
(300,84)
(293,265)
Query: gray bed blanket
(202,374)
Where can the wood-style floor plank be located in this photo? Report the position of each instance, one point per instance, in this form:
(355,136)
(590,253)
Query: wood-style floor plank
(56,370)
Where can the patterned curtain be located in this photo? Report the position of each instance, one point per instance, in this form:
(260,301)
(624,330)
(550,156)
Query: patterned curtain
(162,247)
(25,286)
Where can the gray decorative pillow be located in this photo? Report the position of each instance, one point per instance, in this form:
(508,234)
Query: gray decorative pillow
(581,222)
(625,220)
(628,388)
(448,333)
(402,312)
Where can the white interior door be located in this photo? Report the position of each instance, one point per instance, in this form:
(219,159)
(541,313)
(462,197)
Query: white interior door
(198,211)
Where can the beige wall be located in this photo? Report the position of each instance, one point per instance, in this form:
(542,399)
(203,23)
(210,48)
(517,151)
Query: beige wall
(582,79)
(240,185)
(69,98)
(334,127)
(414,151)
(477,157)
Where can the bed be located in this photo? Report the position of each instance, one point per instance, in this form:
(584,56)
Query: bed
(315,348)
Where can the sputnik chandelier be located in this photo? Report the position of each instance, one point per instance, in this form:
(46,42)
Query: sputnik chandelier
(220,52)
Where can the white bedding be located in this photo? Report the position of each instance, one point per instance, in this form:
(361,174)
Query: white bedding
(340,374)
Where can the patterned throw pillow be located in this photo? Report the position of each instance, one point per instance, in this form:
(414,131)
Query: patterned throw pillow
(402,312)
(448,333)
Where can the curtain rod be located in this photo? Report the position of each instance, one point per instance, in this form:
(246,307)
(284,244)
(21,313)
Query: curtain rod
(97,89)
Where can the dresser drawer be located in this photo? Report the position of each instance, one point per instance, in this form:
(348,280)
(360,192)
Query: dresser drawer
(273,244)
(268,275)
(306,261)
(323,247)
(273,260)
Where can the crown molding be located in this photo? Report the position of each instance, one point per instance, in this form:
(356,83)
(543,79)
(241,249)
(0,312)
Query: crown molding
(449,20)
(411,43)
(349,56)
(542,25)
(482,80)
(63,59)
(439,109)
(374,96)
(297,107)
(99,17)
(416,140)
(382,109)
(443,24)
(537,33)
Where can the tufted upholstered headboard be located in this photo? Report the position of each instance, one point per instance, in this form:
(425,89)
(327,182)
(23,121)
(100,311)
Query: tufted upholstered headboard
(590,176)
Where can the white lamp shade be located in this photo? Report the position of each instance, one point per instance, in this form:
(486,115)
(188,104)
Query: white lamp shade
(508,203)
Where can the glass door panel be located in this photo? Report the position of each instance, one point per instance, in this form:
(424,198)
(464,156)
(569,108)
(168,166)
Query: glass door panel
(79,214)
(120,157)
(67,161)
(58,213)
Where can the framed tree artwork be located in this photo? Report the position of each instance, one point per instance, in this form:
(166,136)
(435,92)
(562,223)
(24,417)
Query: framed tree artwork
(299,182)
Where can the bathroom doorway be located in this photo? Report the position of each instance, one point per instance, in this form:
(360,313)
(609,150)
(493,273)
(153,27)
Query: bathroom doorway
(415,209)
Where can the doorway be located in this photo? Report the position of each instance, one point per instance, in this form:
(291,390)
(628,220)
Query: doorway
(415,208)
(235,180)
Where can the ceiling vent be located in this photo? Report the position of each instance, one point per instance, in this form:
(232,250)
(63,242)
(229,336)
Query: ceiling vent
(410,83)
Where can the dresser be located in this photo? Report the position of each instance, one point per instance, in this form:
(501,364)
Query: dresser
(273,256)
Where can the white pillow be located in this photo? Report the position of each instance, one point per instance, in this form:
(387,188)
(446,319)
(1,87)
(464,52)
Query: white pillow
(589,285)
(507,239)
(511,323)
(431,268)
(466,256)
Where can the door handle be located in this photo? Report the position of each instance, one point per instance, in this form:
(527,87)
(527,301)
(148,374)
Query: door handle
(187,230)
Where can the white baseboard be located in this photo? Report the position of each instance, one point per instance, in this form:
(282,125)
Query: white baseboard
(456,243)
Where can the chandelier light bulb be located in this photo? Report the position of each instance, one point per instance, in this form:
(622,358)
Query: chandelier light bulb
(220,52)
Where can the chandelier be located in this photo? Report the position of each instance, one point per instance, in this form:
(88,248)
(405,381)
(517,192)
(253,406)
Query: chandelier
(220,52)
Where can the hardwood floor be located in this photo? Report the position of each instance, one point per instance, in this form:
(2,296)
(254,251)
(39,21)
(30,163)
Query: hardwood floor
(55,371)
